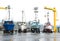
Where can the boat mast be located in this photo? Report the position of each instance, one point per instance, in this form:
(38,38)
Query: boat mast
(22,15)
(54,10)
(9,12)
(48,17)
(35,11)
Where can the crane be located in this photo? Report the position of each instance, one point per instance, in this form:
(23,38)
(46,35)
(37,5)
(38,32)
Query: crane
(54,10)
(3,8)
(6,8)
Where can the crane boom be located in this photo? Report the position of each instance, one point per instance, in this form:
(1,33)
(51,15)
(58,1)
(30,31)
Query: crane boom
(53,9)
(3,8)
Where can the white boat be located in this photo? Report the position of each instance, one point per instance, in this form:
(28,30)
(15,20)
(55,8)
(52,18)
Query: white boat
(48,28)
(22,27)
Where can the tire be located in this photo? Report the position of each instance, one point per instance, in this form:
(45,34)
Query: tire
(19,31)
(51,31)
(38,30)
(32,30)
(44,31)
(12,31)
(4,31)
(47,31)
(25,30)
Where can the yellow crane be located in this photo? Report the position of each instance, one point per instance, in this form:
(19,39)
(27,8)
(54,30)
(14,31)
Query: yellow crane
(2,8)
(54,10)
(5,8)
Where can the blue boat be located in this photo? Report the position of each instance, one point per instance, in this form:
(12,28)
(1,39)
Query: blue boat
(8,26)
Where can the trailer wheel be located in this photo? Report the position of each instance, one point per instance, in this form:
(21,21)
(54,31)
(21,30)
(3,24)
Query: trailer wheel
(25,30)
(51,31)
(47,31)
(37,30)
(11,31)
(4,31)
(44,31)
(32,30)
(19,31)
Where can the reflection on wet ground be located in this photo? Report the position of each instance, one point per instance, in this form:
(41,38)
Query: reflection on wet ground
(30,37)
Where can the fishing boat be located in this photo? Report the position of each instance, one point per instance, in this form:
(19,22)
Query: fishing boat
(9,24)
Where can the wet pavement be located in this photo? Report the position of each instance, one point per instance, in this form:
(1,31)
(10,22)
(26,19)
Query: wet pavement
(30,37)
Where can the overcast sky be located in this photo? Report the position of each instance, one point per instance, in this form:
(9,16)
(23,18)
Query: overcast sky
(28,6)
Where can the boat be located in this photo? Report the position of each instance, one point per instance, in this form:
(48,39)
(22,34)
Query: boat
(47,28)
(22,25)
(35,26)
(9,24)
